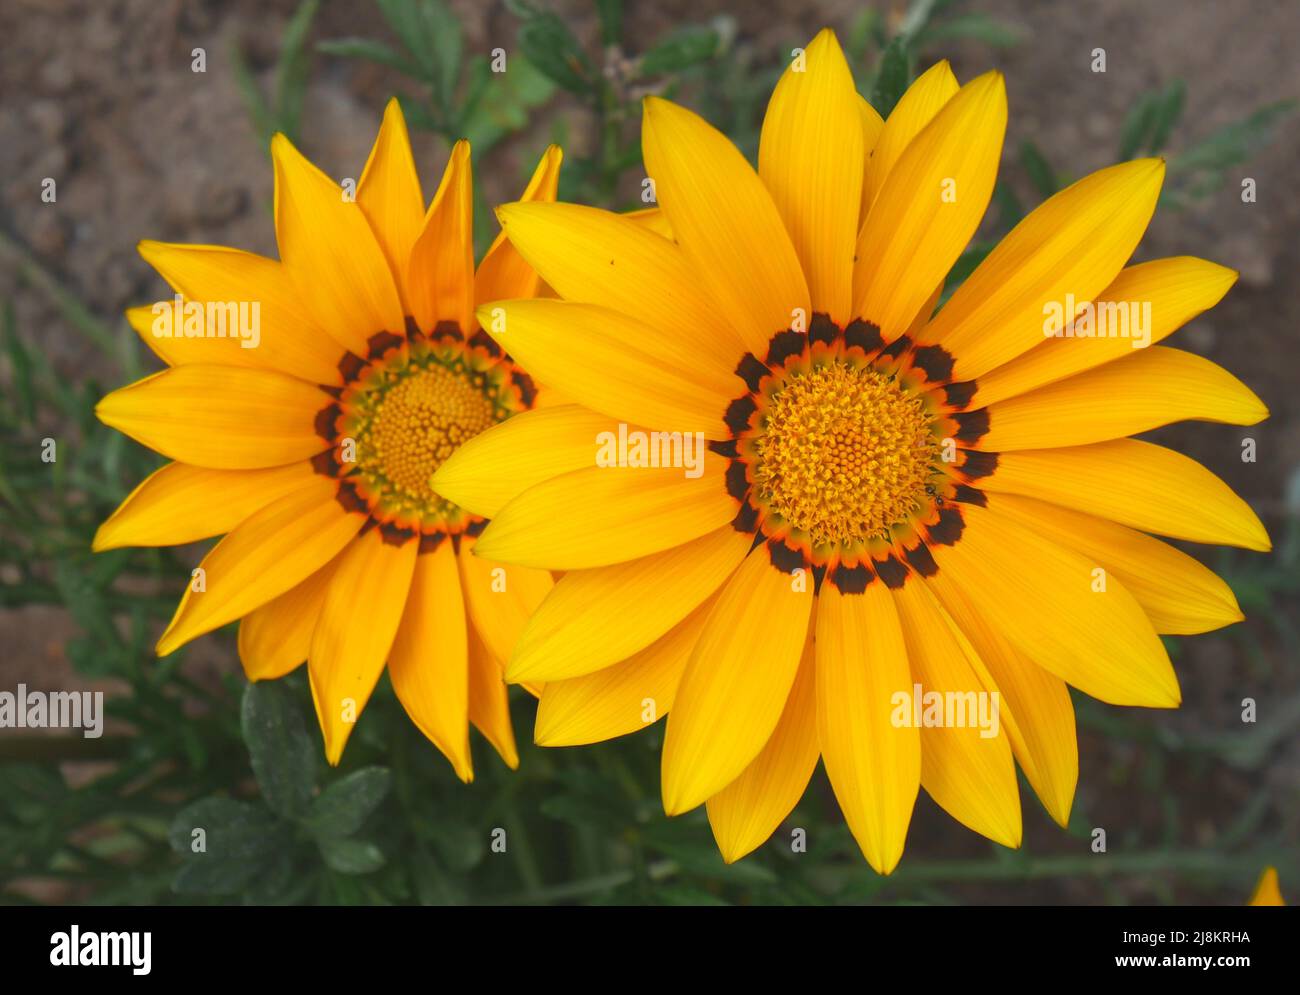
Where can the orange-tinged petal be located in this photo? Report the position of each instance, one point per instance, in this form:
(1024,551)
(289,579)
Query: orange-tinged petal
(1150,388)
(389,193)
(600,515)
(1178,289)
(180,503)
(489,703)
(929,206)
(273,550)
(501,599)
(504,273)
(287,337)
(1046,600)
(737,682)
(429,661)
(914,110)
(1180,595)
(494,466)
(969,773)
(276,638)
(616,364)
(724,219)
(595,618)
(440,270)
(748,810)
(220,417)
(1035,707)
(874,766)
(809,158)
(330,253)
(597,257)
(624,698)
(1069,248)
(1134,483)
(357,624)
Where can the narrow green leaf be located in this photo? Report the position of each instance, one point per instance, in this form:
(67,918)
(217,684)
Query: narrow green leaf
(892,78)
(680,50)
(1040,173)
(371,51)
(549,45)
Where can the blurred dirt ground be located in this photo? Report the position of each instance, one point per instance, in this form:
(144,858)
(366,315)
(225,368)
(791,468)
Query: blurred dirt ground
(99,94)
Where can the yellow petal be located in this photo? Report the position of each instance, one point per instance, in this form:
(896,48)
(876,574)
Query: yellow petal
(355,631)
(725,220)
(914,110)
(489,703)
(872,124)
(389,192)
(287,337)
(748,810)
(1180,595)
(929,206)
(496,465)
(809,158)
(330,252)
(874,766)
(1135,483)
(616,364)
(1034,707)
(1150,388)
(1178,289)
(595,618)
(276,638)
(624,698)
(653,219)
(220,417)
(600,515)
(1046,601)
(597,257)
(275,549)
(180,503)
(735,686)
(969,773)
(504,274)
(429,661)
(1070,247)
(1267,891)
(501,599)
(440,271)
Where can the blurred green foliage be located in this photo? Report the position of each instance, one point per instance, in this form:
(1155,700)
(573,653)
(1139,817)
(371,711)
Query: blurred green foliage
(392,824)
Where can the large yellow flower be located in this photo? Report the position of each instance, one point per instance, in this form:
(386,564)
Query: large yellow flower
(893,499)
(311,439)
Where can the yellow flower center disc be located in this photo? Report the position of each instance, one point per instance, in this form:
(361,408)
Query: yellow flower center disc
(844,452)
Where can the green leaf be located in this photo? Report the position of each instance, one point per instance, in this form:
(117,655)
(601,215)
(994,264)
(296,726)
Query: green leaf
(283,754)
(292,67)
(680,50)
(350,856)
(238,840)
(1167,113)
(1233,143)
(1040,173)
(505,104)
(371,51)
(550,46)
(973,27)
(442,29)
(342,808)
(21,361)
(610,13)
(894,74)
(408,22)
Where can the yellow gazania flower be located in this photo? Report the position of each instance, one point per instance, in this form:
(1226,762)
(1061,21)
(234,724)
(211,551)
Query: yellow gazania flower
(314,449)
(891,497)
(1267,890)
